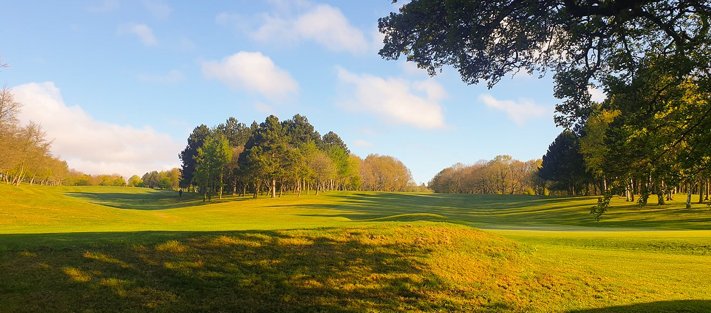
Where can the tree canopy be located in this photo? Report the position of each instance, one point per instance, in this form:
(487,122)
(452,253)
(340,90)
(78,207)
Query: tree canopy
(580,40)
(502,175)
(279,156)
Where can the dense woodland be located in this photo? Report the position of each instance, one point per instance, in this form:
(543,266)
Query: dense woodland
(502,175)
(26,156)
(25,153)
(652,135)
(281,156)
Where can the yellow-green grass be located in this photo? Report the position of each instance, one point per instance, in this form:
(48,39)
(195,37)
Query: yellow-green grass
(114,249)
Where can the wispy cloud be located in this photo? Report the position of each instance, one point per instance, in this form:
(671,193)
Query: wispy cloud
(596,94)
(518,111)
(158,8)
(414,103)
(360,143)
(171,77)
(252,71)
(290,22)
(104,6)
(264,108)
(90,145)
(141,31)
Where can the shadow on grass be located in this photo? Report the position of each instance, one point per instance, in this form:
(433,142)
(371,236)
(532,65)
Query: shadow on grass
(674,306)
(153,200)
(503,211)
(326,270)
(265,271)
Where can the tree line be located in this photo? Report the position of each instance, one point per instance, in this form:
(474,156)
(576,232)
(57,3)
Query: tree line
(168,180)
(652,135)
(502,175)
(281,156)
(25,151)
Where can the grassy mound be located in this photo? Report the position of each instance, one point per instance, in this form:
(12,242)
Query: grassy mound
(104,249)
(393,267)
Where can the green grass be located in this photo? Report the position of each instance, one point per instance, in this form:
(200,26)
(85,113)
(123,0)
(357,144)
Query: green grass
(110,249)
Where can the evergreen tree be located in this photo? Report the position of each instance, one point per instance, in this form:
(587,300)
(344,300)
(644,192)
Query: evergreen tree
(211,161)
(188,155)
(563,164)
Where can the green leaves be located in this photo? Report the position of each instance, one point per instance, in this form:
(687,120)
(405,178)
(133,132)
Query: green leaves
(581,41)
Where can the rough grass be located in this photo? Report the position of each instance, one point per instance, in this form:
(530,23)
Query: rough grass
(103,249)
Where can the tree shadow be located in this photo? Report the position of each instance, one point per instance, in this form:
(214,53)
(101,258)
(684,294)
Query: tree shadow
(154,200)
(364,269)
(499,211)
(255,271)
(473,210)
(674,306)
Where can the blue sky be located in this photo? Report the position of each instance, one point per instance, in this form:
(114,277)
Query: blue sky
(118,85)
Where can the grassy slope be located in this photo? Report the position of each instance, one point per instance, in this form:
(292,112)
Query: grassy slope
(84,249)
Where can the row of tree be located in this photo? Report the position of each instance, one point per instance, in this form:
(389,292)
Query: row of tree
(76,178)
(25,157)
(24,150)
(281,156)
(169,180)
(502,175)
(651,136)
(653,133)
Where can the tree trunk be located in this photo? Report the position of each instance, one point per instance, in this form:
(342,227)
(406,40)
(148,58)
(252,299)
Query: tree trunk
(18,178)
(628,191)
(220,188)
(273,188)
(688,195)
(701,191)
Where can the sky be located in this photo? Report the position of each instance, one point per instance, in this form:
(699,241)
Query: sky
(118,85)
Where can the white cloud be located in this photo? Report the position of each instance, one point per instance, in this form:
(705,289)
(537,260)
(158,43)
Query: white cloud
(410,68)
(252,71)
(264,108)
(360,143)
(377,39)
(142,31)
(172,77)
(186,44)
(105,6)
(90,145)
(523,74)
(322,23)
(158,8)
(414,103)
(226,18)
(286,6)
(518,111)
(596,94)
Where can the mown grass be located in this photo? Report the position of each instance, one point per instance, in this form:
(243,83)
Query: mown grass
(104,249)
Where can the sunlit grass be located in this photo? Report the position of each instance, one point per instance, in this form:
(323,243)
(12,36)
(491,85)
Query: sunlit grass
(129,249)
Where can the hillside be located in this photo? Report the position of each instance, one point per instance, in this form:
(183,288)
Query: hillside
(129,249)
